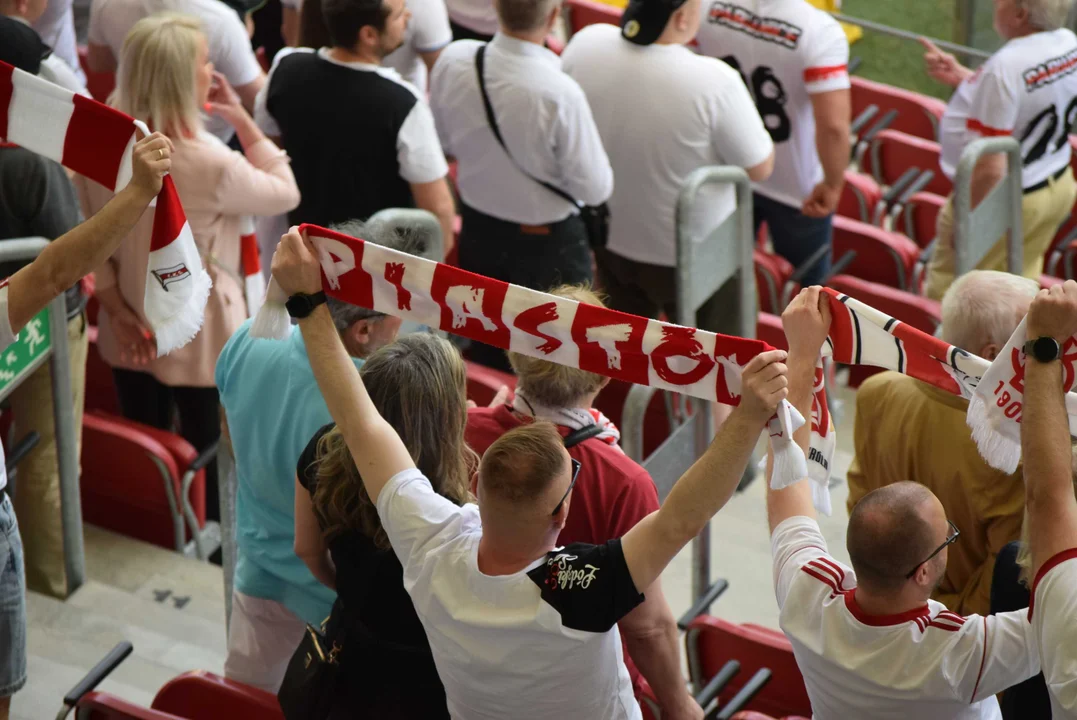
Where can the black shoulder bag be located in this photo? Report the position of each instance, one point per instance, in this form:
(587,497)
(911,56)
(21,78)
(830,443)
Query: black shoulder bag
(576,437)
(596,218)
(309,688)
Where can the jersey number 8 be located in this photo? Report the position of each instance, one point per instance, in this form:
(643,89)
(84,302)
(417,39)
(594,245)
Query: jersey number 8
(769,99)
(1050,116)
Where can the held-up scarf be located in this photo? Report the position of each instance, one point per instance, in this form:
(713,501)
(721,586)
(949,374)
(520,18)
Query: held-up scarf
(96,141)
(250,263)
(603,341)
(571,418)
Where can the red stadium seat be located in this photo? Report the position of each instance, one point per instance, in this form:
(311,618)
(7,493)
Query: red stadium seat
(205,696)
(582,13)
(753,715)
(102,706)
(100,85)
(881,256)
(100,386)
(892,153)
(711,642)
(920,312)
(919,217)
(483,383)
(918,115)
(772,272)
(859,197)
(132,481)
(769,329)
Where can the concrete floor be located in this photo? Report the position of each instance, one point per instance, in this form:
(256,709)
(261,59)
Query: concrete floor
(172,609)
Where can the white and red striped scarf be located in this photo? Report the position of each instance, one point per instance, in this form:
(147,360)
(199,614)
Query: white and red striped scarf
(250,263)
(95,141)
(571,418)
(603,341)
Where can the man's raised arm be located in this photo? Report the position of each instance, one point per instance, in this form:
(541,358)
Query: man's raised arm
(707,486)
(807,323)
(377,450)
(76,253)
(1045,435)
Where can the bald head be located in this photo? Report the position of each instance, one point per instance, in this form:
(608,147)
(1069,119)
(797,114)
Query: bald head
(890,531)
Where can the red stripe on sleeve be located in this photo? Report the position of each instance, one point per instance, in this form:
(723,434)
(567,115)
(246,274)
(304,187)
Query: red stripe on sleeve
(96,137)
(985,130)
(825,579)
(816,74)
(983,661)
(6,88)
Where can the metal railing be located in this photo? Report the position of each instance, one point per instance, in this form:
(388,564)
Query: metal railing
(63,410)
(914,37)
(977,230)
(703,267)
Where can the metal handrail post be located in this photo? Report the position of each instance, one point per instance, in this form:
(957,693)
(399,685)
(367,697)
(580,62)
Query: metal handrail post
(25,250)
(977,230)
(226,476)
(702,269)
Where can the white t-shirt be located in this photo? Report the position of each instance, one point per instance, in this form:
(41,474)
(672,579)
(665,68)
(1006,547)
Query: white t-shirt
(927,664)
(56,26)
(428,31)
(1053,614)
(786,51)
(229,46)
(538,644)
(1027,89)
(663,112)
(7,337)
(477,15)
(544,120)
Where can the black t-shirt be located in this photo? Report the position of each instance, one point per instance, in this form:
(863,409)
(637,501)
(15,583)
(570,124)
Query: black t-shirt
(386,657)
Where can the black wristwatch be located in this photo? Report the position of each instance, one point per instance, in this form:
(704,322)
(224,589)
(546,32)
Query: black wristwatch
(1044,349)
(301,305)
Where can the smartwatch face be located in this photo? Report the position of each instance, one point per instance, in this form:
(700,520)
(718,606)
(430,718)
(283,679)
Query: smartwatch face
(1045,349)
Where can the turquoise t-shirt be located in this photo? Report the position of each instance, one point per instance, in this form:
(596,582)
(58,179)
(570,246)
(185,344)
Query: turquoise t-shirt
(274,407)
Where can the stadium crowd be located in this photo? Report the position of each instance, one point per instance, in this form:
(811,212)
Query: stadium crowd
(506,561)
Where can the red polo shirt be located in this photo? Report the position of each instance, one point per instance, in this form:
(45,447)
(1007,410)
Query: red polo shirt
(612,494)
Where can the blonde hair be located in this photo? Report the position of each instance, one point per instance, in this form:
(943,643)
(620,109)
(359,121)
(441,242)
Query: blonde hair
(419,385)
(984,306)
(1046,15)
(550,384)
(156,78)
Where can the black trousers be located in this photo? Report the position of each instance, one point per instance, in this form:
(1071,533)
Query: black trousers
(459,32)
(145,399)
(537,257)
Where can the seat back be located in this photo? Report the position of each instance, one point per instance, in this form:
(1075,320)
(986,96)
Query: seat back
(483,383)
(100,386)
(892,153)
(769,329)
(919,218)
(582,13)
(711,642)
(917,114)
(881,256)
(772,272)
(205,696)
(102,706)
(859,197)
(124,469)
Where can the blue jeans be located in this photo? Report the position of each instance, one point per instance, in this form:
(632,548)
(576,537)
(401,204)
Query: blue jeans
(12,603)
(795,236)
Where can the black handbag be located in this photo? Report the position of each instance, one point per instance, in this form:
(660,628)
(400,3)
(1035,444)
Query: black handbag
(310,682)
(596,218)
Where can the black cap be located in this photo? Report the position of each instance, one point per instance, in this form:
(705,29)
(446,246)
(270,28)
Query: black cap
(644,20)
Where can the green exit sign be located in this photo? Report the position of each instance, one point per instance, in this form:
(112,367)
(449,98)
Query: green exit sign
(25,355)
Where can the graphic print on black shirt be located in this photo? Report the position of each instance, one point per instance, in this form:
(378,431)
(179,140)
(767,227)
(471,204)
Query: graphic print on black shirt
(588,585)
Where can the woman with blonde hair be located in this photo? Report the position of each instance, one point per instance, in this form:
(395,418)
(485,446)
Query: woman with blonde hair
(166,80)
(418,384)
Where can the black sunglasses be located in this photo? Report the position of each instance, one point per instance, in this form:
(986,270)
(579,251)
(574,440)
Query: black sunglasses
(949,541)
(575,474)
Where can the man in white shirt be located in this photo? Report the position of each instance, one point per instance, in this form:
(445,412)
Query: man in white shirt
(793,57)
(869,641)
(663,112)
(60,265)
(1026,89)
(229,44)
(520,195)
(23,47)
(517,626)
(56,26)
(473,19)
(1050,507)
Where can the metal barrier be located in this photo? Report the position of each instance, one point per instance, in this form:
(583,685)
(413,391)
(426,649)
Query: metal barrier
(977,230)
(703,266)
(45,339)
(955,48)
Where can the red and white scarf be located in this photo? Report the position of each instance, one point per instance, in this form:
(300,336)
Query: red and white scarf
(250,263)
(96,141)
(571,418)
(603,341)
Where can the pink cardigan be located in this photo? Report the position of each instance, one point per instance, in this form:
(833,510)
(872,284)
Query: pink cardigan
(216,186)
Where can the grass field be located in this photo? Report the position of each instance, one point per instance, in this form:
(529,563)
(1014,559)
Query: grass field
(900,62)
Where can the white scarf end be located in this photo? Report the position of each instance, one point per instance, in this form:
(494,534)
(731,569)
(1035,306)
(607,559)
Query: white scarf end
(272,321)
(998,450)
(174,332)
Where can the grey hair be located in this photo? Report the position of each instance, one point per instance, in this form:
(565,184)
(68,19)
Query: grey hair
(524,15)
(1047,15)
(345,314)
(983,307)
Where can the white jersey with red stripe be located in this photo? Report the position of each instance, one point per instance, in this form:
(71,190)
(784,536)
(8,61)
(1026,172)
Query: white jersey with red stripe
(928,663)
(785,51)
(1027,89)
(1053,614)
